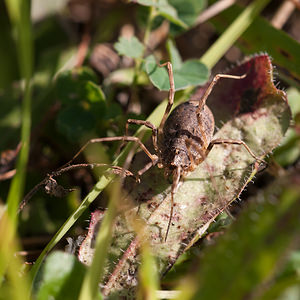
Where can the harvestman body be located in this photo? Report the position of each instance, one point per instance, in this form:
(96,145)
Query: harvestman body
(182,140)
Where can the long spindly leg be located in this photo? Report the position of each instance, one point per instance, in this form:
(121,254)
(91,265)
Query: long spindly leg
(235,142)
(170,97)
(111,139)
(147,124)
(146,168)
(115,169)
(202,102)
(176,178)
(203,99)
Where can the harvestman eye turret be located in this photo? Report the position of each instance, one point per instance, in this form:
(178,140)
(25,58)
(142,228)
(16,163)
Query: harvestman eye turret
(181,142)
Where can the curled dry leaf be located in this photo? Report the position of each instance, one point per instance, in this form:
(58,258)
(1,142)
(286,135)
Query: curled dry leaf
(7,161)
(253,110)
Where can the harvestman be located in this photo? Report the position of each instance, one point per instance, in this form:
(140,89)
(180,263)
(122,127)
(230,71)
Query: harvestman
(183,139)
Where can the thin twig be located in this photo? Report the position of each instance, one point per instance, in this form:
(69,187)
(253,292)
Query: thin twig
(296,3)
(83,46)
(283,13)
(7,175)
(213,10)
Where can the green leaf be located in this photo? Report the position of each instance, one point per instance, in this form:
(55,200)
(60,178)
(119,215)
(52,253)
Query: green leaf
(158,76)
(10,117)
(294,96)
(73,121)
(164,9)
(191,73)
(188,11)
(289,150)
(130,47)
(83,100)
(126,77)
(292,266)
(92,92)
(75,85)
(170,14)
(61,277)
(286,285)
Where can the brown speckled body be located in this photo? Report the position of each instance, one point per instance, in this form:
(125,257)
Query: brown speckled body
(183,137)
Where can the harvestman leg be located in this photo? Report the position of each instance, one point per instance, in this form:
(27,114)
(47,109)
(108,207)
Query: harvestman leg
(203,99)
(233,142)
(147,124)
(190,142)
(146,168)
(155,132)
(116,169)
(176,178)
(115,138)
(177,173)
(66,167)
(126,138)
(170,97)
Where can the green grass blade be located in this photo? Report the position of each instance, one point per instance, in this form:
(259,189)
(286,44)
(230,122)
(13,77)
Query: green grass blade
(102,183)
(19,12)
(232,33)
(15,286)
